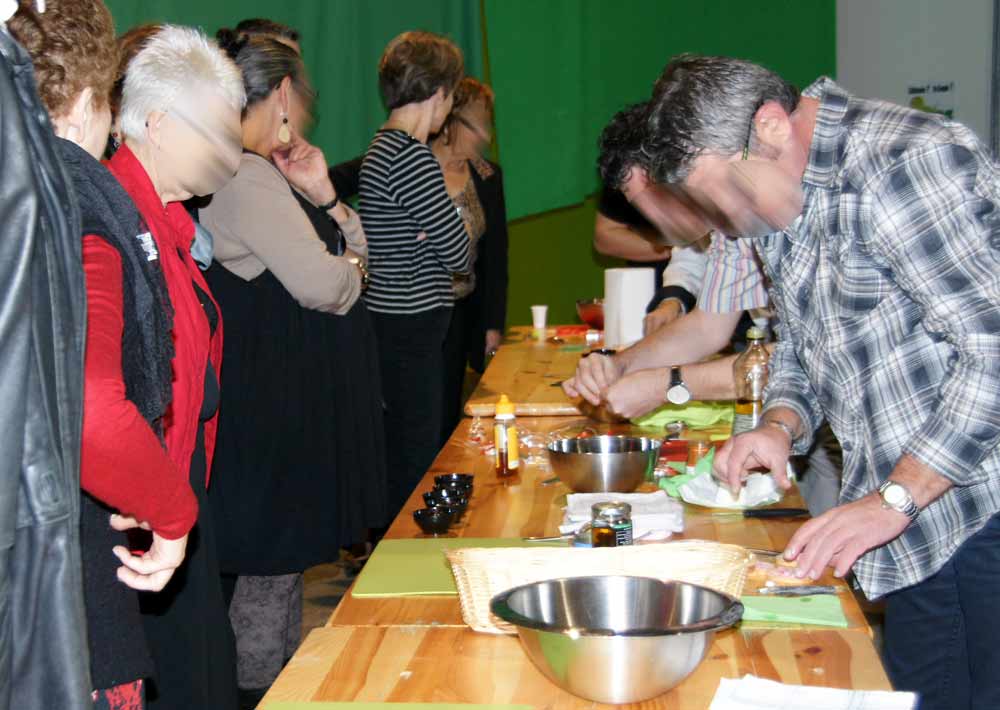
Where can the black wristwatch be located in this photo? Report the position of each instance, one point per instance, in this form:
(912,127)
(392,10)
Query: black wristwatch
(677,391)
(331,204)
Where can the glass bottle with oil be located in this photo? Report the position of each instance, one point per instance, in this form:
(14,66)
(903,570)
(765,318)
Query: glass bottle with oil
(505,442)
(750,375)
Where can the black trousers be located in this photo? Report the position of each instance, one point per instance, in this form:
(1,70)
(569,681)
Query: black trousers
(456,358)
(941,634)
(411,357)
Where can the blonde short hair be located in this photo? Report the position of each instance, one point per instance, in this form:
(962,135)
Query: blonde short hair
(174,60)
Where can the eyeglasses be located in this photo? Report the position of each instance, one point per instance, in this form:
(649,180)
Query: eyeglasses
(480,133)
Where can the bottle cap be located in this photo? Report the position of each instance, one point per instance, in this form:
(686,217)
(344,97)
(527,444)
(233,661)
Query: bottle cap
(504,406)
(755,333)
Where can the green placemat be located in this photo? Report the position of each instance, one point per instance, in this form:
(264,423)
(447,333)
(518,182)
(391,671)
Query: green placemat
(815,610)
(400,568)
(695,414)
(387,706)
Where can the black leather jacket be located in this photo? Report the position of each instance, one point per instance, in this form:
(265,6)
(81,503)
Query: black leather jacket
(43,648)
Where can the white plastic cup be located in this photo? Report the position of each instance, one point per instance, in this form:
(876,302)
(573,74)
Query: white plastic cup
(538,315)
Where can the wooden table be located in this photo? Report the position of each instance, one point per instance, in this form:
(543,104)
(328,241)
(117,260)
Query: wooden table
(417,649)
(528,369)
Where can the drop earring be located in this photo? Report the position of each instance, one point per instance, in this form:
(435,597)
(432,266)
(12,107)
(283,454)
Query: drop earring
(284,135)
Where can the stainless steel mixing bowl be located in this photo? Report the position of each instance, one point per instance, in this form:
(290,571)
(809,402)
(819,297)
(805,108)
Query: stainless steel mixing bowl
(602,464)
(616,639)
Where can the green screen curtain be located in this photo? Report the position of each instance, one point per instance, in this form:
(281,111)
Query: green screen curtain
(562,68)
(342,41)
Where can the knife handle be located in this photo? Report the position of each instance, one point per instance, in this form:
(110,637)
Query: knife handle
(776,513)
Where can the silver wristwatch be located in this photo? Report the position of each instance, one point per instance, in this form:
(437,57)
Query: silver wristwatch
(677,391)
(897,497)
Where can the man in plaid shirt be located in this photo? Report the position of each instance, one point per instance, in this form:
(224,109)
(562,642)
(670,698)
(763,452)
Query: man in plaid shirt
(878,228)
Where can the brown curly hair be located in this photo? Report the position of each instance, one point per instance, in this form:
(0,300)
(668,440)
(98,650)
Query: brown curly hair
(72,46)
(416,64)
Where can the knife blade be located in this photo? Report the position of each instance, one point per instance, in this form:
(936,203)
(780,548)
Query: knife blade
(798,591)
(764,513)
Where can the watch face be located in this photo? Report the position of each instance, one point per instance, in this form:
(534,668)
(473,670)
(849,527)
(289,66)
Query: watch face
(678,394)
(894,495)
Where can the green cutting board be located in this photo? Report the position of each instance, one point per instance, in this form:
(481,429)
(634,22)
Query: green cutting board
(401,568)
(816,610)
(387,706)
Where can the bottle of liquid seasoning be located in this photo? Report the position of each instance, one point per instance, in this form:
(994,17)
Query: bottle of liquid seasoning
(611,524)
(505,439)
(750,374)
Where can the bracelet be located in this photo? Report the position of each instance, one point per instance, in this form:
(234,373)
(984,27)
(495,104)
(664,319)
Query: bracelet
(784,427)
(331,204)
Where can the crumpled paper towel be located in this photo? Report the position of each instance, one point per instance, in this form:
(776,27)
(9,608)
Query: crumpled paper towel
(655,516)
(760,489)
(753,693)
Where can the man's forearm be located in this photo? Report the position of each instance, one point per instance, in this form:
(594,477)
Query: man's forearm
(613,238)
(690,338)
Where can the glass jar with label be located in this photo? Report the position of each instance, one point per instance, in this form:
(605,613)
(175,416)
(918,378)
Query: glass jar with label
(611,524)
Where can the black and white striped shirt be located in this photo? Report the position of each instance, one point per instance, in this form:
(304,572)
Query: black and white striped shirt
(416,238)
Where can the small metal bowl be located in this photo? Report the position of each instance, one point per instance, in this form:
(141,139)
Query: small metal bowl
(433,521)
(616,639)
(604,464)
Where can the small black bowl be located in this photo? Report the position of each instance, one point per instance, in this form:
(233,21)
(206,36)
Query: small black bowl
(455,487)
(454,511)
(461,478)
(433,521)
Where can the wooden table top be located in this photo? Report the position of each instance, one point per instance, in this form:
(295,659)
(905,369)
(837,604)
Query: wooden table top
(417,649)
(528,370)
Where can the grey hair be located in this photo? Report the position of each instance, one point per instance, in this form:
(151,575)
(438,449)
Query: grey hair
(173,60)
(705,104)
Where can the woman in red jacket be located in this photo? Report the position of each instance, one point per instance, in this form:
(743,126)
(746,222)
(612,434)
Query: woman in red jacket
(180,119)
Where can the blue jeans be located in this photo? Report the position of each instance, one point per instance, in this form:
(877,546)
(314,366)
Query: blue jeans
(942,636)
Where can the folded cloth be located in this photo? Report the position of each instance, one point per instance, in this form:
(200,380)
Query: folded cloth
(753,693)
(695,414)
(654,515)
(812,610)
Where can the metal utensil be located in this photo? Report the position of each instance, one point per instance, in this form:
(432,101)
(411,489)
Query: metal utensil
(764,513)
(600,464)
(799,591)
(555,538)
(616,639)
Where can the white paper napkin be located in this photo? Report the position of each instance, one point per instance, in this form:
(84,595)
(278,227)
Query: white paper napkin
(626,294)
(655,516)
(760,489)
(753,693)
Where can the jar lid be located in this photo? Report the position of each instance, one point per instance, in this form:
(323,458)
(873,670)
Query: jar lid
(755,333)
(611,509)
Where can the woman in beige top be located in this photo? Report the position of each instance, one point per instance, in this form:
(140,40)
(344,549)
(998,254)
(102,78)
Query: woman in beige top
(299,467)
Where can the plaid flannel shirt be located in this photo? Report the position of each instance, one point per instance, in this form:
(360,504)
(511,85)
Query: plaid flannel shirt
(888,290)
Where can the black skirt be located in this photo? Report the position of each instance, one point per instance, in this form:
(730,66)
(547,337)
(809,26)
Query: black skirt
(300,458)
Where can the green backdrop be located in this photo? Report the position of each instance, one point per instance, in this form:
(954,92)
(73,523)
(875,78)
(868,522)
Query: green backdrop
(560,69)
(342,41)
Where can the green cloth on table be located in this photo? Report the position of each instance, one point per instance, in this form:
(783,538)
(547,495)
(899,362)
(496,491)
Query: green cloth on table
(672,484)
(814,610)
(411,567)
(695,414)
(371,705)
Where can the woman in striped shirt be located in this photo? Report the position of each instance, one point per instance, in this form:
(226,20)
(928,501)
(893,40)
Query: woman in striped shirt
(416,243)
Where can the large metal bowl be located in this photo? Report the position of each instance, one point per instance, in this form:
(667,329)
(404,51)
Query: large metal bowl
(616,639)
(604,464)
